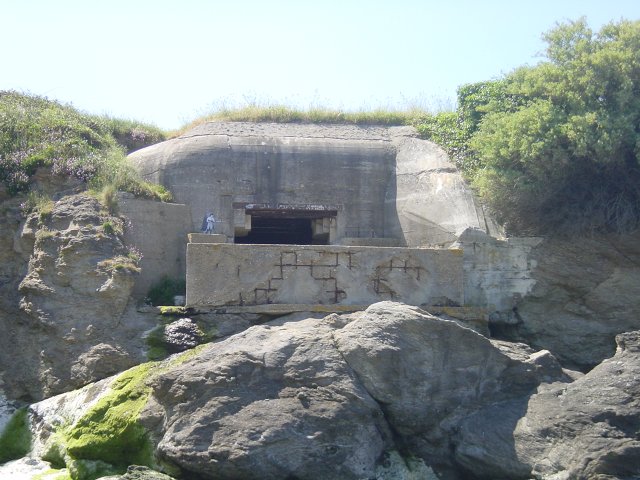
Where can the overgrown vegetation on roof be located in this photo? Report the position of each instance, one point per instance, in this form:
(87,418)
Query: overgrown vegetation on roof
(38,132)
(555,148)
(278,113)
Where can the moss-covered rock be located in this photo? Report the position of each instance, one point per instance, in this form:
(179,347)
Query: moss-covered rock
(15,440)
(108,437)
(137,472)
(110,431)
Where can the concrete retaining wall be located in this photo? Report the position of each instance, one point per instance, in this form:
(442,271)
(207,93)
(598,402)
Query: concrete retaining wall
(159,231)
(225,274)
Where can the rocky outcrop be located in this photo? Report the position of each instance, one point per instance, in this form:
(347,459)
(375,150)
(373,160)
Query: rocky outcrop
(334,397)
(587,290)
(588,429)
(182,335)
(66,291)
(571,296)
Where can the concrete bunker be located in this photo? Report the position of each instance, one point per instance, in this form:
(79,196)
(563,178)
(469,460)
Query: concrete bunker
(325,215)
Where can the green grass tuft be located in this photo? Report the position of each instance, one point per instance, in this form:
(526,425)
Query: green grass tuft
(119,263)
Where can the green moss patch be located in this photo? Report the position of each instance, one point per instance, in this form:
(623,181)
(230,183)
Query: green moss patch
(174,311)
(109,438)
(52,474)
(110,430)
(15,440)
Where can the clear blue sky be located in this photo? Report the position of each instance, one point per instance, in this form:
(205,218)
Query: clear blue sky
(167,62)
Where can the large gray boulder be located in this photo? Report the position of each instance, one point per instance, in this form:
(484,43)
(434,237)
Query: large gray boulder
(338,397)
(319,398)
(272,402)
(427,373)
(589,429)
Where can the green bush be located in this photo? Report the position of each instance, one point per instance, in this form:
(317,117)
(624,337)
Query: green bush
(564,157)
(162,292)
(554,148)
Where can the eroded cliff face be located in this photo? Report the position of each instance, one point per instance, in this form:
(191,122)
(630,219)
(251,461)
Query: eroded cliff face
(66,283)
(571,296)
(586,291)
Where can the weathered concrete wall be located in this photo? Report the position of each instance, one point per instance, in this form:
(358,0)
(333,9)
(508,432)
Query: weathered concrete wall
(497,273)
(432,201)
(224,274)
(384,182)
(159,231)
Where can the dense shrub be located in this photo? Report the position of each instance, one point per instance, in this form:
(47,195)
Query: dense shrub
(554,148)
(564,157)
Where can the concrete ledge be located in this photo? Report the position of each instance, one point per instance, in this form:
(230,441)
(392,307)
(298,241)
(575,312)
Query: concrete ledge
(207,238)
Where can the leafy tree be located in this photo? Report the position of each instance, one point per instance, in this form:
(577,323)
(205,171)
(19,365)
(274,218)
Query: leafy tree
(555,146)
